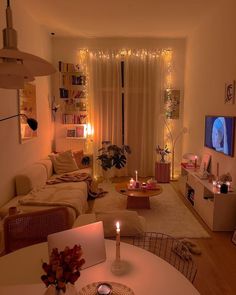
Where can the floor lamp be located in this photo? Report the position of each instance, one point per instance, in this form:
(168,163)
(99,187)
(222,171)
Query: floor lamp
(33,124)
(174,141)
(173,144)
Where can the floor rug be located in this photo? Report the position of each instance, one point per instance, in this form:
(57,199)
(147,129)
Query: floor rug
(168,213)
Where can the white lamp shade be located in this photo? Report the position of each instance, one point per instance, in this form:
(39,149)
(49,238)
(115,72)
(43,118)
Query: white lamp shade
(34,64)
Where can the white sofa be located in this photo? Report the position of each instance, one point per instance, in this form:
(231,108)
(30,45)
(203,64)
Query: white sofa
(31,185)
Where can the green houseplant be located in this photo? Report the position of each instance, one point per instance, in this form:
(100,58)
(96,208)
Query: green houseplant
(111,155)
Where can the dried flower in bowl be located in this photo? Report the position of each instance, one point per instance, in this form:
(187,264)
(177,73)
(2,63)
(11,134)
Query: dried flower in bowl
(63,267)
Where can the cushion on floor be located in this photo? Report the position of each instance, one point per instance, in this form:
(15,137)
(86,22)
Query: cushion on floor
(131,223)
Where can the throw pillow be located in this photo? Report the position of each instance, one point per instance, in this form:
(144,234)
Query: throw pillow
(78,155)
(130,223)
(63,162)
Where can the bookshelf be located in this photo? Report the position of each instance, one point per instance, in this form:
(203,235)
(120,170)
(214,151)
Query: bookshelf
(73,100)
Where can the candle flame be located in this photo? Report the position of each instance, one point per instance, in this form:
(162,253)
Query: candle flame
(117,225)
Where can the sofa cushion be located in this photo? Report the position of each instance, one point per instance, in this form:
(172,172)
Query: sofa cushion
(32,177)
(63,162)
(78,156)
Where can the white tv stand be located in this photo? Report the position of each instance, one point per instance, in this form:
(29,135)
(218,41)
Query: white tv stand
(216,209)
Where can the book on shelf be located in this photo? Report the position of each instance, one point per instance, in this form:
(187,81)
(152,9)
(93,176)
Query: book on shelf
(67,67)
(74,118)
(81,106)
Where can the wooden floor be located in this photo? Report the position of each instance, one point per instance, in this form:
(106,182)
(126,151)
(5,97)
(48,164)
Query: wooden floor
(217,264)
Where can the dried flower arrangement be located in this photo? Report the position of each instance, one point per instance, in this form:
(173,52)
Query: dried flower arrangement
(163,152)
(63,267)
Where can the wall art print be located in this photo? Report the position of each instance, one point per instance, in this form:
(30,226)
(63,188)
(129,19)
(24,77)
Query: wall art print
(28,107)
(230,92)
(172,103)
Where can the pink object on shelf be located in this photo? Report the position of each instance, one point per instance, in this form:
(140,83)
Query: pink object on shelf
(162,172)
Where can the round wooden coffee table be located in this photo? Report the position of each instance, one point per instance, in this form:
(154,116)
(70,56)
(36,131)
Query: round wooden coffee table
(138,198)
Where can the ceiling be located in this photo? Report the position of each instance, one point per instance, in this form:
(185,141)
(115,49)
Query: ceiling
(119,18)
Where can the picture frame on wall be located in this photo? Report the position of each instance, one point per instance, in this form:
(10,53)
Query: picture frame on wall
(172,103)
(27,106)
(230,92)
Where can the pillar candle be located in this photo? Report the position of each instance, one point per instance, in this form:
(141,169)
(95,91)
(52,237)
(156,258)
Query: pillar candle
(117,240)
(132,183)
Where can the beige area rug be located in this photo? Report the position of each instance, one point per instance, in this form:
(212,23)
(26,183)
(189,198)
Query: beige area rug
(168,214)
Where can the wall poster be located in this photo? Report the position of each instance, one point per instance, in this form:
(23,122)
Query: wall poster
(172,103)
(28,108)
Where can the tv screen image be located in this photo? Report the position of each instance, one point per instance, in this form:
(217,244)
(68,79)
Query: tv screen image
(219,134)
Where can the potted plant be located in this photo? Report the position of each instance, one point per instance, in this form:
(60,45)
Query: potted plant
(111,155)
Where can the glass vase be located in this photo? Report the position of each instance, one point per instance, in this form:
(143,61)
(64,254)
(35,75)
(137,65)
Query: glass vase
(70,290)
(162,160)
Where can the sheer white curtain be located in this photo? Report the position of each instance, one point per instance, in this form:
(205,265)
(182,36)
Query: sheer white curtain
(105,100)
(143,100)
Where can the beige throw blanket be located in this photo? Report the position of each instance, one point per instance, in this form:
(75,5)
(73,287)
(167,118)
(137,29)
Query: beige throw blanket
(69,195)
(57,196)
(93,190)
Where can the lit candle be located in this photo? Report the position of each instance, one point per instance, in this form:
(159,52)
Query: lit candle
(118,241)
(214,182)
(131,183)
(136,175)
(228,184)
(217,170)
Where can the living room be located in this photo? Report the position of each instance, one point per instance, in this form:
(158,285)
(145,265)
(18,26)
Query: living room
(203,61)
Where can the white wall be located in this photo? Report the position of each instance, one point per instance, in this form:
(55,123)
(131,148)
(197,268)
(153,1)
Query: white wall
(15,156)
(66,49)
(210,62)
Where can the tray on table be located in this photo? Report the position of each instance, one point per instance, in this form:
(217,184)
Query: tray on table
(117,289)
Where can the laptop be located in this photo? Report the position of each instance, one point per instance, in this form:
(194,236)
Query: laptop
(90,237)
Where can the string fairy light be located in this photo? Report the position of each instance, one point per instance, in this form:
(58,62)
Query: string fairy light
(165,54)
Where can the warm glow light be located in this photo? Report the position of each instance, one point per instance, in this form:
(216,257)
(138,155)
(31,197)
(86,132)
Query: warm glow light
(117,226)
(89,129)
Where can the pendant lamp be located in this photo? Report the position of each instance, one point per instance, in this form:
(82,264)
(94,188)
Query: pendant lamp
(18,67)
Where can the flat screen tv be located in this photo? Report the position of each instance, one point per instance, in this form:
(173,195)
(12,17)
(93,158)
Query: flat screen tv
(219,134)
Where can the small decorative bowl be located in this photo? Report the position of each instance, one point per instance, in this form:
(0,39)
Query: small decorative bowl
(104,289)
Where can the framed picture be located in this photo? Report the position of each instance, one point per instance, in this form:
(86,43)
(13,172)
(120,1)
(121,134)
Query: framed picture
(204,163)
(27,106)
(234,237)
(80,131)
(230,92)
(172,103)
(70,132)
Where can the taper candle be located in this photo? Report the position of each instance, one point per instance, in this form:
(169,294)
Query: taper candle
(136,175)
(117,240)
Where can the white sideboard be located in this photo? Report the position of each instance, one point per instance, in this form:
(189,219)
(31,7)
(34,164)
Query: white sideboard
(216,209)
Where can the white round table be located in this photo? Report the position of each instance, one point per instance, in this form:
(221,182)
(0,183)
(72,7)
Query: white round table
(147,274)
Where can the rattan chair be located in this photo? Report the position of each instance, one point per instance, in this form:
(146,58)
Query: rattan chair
(169,249)
(21,230)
